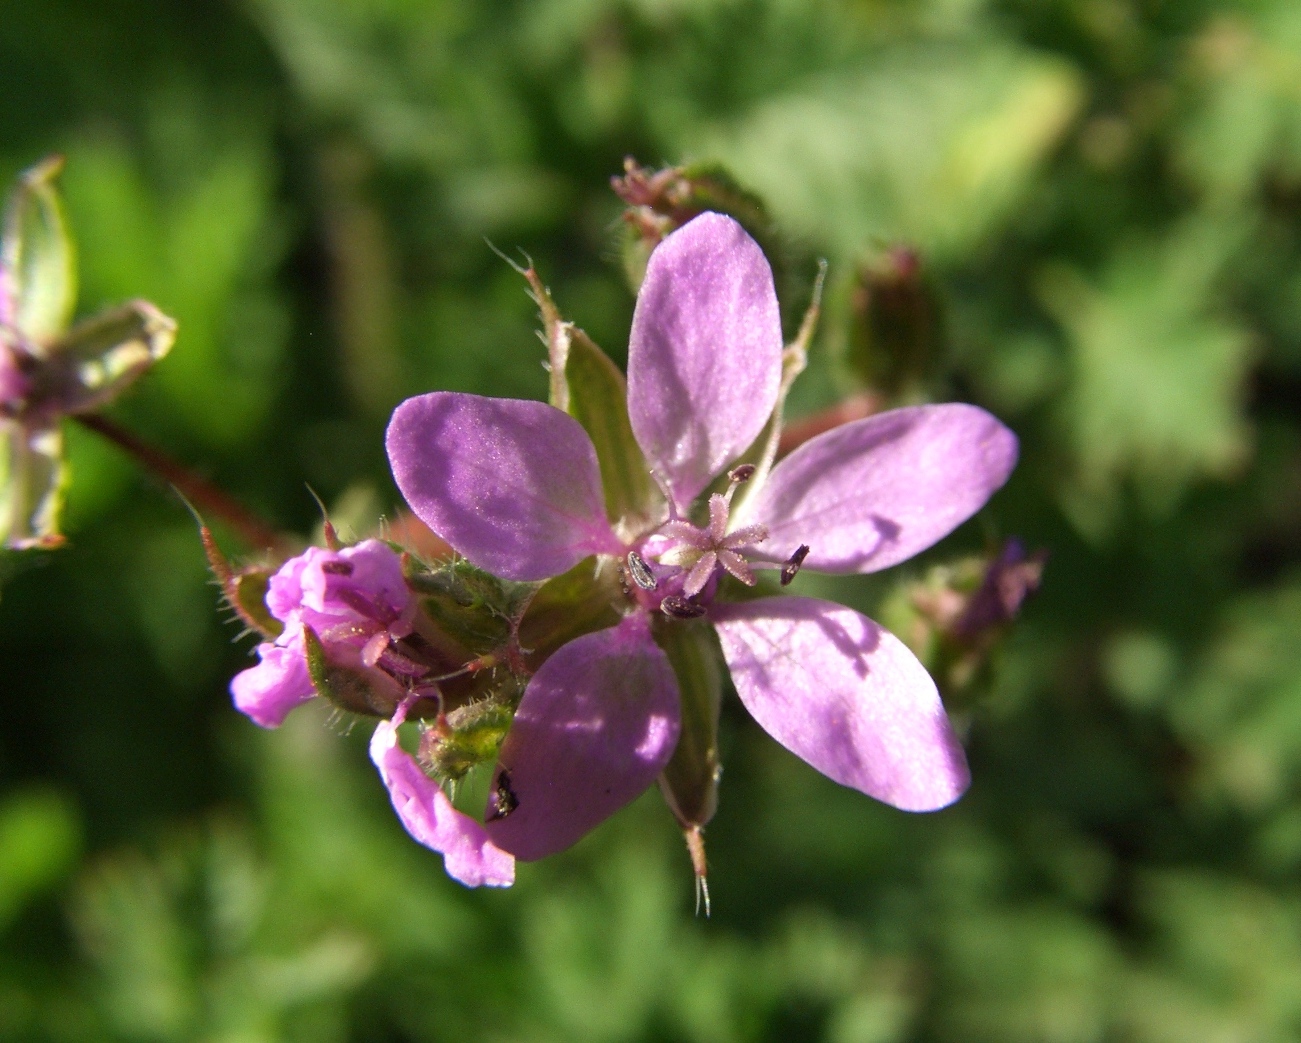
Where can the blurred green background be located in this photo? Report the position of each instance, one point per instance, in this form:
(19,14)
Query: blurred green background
(1106,198)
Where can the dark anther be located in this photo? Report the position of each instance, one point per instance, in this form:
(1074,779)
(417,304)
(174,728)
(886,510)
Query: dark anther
(337,568)
(640,571)
(794,562)
(744,473)
(678,607)
(504,800)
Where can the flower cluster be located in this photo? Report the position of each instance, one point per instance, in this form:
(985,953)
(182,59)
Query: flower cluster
(520,490)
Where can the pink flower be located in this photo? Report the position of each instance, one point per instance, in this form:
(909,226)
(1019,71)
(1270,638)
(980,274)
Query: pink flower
(469,856)
(515,487)
(357,604)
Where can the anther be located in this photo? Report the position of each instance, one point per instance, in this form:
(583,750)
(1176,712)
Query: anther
(740,474)
(677,607)
(337,568)
(793,563)
(640,571)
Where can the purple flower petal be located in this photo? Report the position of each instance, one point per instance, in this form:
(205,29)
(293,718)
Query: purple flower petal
(596,726)
(704,357)
(280,682)
(426,813)
(875,492)
(512,485)
(845,695)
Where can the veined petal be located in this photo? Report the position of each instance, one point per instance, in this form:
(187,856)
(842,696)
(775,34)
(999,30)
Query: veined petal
(427,814)
(704,357)
(875,492)
(512,485)
(845,695)
(280,682)
(596,726)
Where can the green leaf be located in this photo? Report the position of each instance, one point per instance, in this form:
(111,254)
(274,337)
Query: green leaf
(39,254)
(690,781)
(1159,372)
(32,477)
(39,838)
(931,144)
(98,358)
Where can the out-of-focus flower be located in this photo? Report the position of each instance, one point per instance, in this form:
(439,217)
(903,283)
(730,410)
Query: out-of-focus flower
(48,371)
(516,487)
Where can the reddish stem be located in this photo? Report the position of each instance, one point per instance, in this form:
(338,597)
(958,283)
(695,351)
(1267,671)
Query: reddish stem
(205,496)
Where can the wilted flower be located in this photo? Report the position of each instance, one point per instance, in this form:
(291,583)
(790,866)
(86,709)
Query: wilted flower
(48,371)
(516,487)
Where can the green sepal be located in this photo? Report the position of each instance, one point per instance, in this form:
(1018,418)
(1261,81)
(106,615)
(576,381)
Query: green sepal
(38,253)
(351,688)
(32,479)
(478,630)
(762,452)
(690,780)
(471,606)
(244,591)
(572,604)
(466,737)
(588,386)
(247,593)
(96,359)
(598,399)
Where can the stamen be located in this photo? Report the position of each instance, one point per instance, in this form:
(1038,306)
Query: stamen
(793,564)
(740,474)
(337,568)
(640,571)
(676,606)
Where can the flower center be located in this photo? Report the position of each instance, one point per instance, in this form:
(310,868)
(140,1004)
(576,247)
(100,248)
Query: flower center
(681,559)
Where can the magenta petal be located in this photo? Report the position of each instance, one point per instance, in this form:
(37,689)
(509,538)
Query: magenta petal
(468,855)
(875,492)
(845,695)
(268,691)
(704,358)
(513,485)
(596,726)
